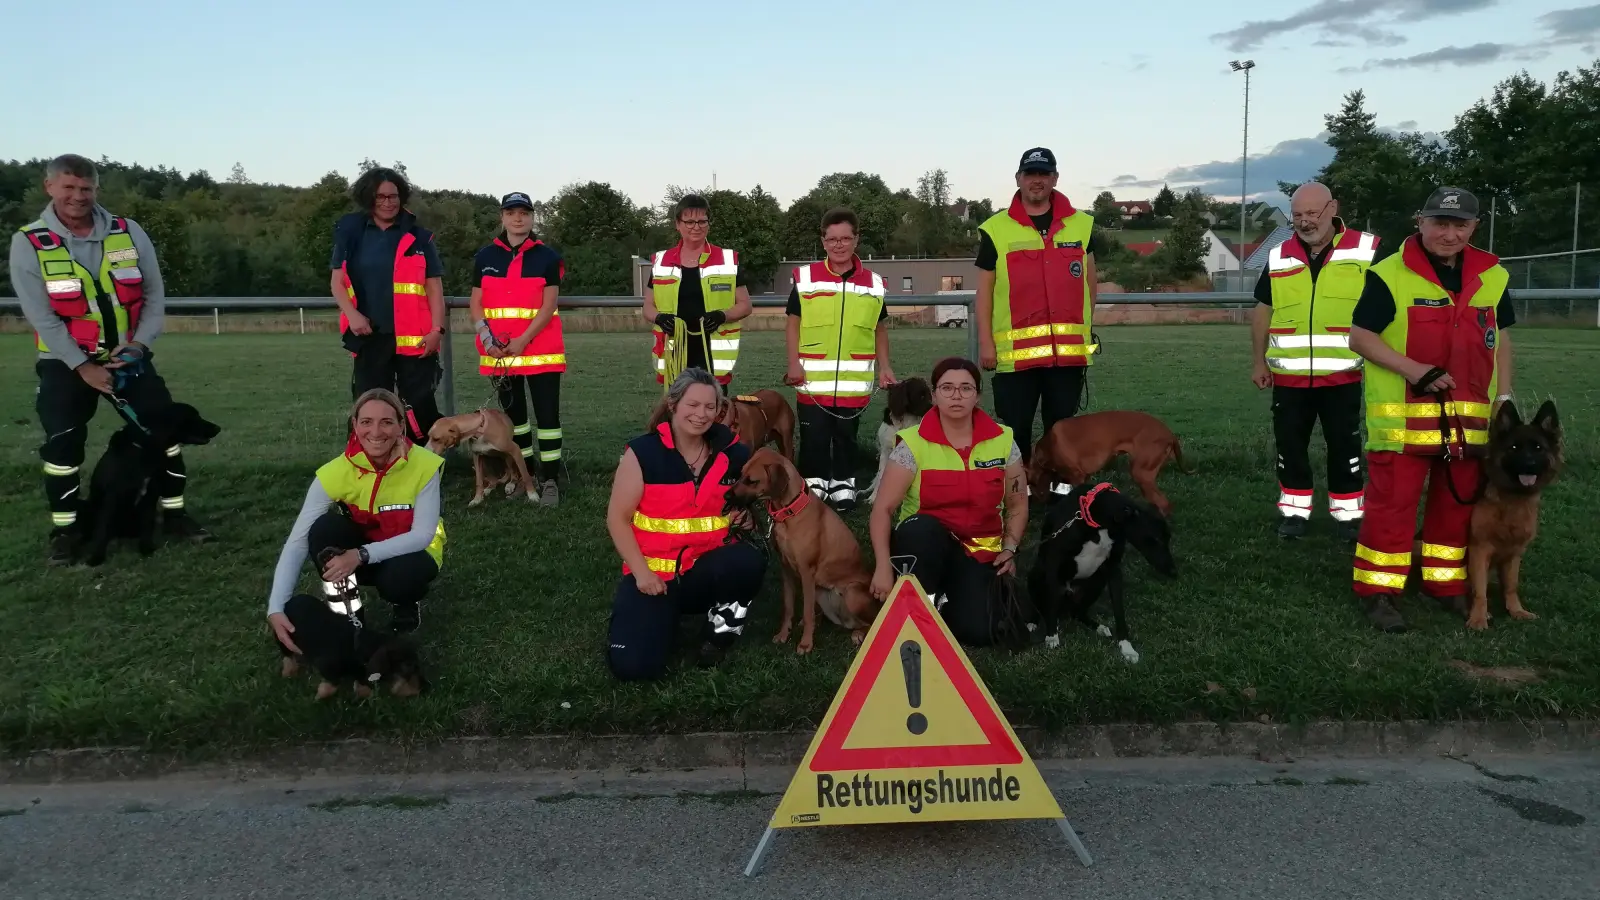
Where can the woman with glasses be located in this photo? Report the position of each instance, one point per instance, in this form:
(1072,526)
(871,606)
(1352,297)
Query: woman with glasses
(389,284)
(950,477)
(696,297)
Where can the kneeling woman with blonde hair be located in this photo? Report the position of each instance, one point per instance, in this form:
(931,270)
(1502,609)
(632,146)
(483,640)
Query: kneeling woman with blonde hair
(666,520)
(373,511)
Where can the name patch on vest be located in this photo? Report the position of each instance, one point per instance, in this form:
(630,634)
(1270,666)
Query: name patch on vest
(721,287)
(1431,301)
(122,255)
(394,507)
(989,463)
(1069,244)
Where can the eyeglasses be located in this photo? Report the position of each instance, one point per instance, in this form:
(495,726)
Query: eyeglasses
(391,197)
(838,241)
(1304,216)
(957,390)
(696,223)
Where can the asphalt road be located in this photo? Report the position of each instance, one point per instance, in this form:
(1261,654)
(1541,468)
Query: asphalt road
(1501,828)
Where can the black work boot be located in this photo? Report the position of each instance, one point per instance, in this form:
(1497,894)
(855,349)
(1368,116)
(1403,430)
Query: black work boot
(1348,531)
(1292,528)
(181,526)
(1383,615)
(63,548)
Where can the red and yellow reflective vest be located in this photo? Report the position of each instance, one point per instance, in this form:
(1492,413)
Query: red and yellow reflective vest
(1437,328)
(510,302)
(1042,308)
(413,319)
(75,293)
(963,489)
(678,521)
(383,502)
(838,333)
(1309,337)
(719,275)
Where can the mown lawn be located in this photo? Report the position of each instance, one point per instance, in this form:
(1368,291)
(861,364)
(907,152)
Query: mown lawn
(172,652)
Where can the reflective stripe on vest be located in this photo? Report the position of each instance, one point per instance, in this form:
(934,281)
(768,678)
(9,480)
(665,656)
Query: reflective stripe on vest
(76,295)
(963,494)
(838,333)
(509,303)
(1309,337)
(677,523)
(413,317)
(382,503)
(1432,327)
(1042,311)
(719,275)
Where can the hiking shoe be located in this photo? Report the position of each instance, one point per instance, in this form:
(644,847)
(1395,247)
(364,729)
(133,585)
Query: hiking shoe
(1381,612)
(549,494)
(1292,528)
(185,528)
(407,617)
(63,549)
(1349,532)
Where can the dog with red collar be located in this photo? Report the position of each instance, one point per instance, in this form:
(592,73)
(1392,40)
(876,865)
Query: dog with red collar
(1080,557)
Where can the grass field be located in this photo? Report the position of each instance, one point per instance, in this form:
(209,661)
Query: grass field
(172,652)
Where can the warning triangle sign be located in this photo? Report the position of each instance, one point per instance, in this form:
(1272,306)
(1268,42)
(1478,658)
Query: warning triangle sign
(913,735)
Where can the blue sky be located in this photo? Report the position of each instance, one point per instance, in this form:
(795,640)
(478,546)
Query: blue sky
(500,97)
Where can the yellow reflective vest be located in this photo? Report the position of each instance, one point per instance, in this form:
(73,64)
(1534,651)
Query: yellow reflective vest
(838,333)
(1309,338)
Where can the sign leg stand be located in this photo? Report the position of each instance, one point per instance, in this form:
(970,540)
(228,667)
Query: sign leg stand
(766,844)
(1066,829)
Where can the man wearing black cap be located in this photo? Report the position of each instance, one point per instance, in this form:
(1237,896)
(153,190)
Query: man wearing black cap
(1431,321)
(516,280)
(389,283)
(1035,301)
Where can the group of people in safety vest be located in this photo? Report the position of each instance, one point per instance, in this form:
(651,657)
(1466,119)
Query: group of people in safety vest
(1414,345)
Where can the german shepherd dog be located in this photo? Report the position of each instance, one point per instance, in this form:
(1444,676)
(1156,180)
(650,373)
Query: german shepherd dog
(1524,458)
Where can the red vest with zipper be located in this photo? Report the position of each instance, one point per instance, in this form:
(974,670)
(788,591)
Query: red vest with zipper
(678,521)
(510,302)
(966,501)
(412,317)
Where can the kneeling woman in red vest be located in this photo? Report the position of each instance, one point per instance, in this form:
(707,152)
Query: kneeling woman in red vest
(377,507)
(666,520)
(946,483)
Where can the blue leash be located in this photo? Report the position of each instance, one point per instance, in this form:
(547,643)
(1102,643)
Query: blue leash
(120,378)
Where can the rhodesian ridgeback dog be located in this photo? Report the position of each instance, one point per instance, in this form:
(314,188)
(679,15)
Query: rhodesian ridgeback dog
(760,419)
(1075,448)
(486,432)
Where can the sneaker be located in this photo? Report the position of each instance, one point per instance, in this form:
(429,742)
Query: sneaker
(1381,612)
(183,527)
(407,617)
(1349,532)
(63,548)
(549,494)
(1292,528)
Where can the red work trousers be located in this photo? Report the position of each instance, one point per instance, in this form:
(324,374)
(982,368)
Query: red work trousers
(1384,549)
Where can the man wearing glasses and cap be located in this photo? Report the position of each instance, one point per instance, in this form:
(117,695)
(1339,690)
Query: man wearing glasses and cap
(1431,322)
(516,280)
(1304,301)
(1036,292)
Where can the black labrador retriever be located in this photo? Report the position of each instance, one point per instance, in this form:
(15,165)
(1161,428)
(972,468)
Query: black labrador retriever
(1080,555)
(341,651)
(123,499)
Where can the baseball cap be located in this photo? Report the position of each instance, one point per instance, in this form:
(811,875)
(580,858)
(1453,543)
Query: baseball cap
(516,200)
(1451,203)
(1039,159)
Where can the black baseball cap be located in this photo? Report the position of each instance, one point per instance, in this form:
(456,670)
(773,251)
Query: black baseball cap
(516,200)
(1450,203)
(1039,159)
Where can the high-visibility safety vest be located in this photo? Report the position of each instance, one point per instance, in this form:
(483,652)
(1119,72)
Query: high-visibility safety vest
(838,333)
(678,521)
(76,294)
(1437,328)
(963,489)
(413,319)
(1309,338)
(719,274)
(383,501)
(510,302)
(1042,307)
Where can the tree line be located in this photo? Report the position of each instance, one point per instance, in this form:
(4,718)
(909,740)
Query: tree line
(1527,145)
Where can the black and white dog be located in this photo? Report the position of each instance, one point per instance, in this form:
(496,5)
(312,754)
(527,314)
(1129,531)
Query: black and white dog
(908,402)
(1080,555)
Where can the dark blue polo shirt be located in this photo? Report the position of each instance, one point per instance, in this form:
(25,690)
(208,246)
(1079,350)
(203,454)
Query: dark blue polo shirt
(370,250)
(494,261)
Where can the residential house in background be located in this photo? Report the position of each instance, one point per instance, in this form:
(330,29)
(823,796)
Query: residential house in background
(1133,208)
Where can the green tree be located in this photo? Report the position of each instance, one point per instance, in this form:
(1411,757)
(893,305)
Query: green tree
(328,199)
(1182,255)
(1165,202)
(592,213)
(750,224)
(1106,212)
(879,210)
(238,176)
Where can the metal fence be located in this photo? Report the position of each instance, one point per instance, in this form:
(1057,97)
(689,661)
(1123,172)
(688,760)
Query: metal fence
(216,305)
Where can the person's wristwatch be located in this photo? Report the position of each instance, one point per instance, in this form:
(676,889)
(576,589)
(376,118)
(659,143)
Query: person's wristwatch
(1009,547)
(362,552)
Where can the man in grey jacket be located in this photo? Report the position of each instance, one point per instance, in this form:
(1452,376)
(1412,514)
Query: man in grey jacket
(91,288)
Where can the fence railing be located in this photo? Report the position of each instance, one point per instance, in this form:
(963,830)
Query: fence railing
(12,306)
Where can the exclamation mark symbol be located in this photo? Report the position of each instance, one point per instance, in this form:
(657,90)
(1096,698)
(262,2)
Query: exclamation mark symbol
(911,662)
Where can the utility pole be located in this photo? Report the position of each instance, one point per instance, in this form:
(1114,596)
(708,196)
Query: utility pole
(1244,160)
(1577,202)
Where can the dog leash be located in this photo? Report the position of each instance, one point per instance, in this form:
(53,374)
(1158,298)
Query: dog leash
(1085,500)
(1446,409)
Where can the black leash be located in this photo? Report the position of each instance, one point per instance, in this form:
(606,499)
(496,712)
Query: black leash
(1008,626)
(1445,420)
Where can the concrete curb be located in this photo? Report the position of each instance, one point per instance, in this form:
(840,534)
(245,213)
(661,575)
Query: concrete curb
(748,750)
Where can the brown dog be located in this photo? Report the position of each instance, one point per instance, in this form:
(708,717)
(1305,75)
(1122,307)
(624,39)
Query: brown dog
(760,419)
(816,547)
(486,432)
(1076,448)
(1523,459)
